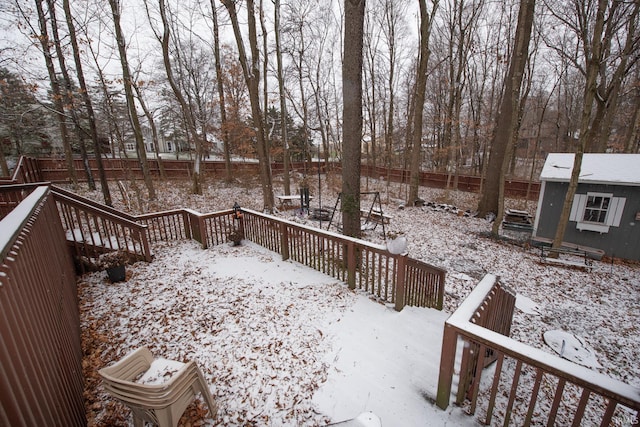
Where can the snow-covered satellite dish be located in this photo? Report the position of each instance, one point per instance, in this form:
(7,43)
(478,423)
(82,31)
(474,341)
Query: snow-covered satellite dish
(571,347)
(397,245)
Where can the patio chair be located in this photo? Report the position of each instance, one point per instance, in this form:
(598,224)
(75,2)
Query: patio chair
(161,404)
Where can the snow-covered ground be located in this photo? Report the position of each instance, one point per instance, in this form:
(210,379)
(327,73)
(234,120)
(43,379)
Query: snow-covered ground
(284,345)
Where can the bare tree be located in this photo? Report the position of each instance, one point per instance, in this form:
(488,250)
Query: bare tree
(84,91)
(251,74)
(283,100)
(596,24)
(507,123)
(154,129)
(220,86)
(43,37)
(461,19)
(426,21)
(133,114)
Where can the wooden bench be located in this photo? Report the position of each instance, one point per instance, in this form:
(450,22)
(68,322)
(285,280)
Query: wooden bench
(580,256)
(592,253)
(578,259)
(375,215)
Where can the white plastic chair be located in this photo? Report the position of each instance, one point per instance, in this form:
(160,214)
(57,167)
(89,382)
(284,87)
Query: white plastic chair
(161,404)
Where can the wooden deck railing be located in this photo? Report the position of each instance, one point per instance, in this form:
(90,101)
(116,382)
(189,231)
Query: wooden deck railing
(40,349)
(93,230)
(551,384)
(167,225)
(396,279)
(27,171)
(11,196)
(392,278)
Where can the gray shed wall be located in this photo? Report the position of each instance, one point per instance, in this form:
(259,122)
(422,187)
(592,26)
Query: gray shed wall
(619,242)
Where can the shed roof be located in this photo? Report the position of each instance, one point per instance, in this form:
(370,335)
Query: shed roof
(597,168)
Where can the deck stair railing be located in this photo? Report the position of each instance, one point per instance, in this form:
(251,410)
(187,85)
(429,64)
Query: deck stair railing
(93,229)
(548,389)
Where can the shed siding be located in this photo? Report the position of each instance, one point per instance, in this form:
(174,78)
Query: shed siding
(619,242)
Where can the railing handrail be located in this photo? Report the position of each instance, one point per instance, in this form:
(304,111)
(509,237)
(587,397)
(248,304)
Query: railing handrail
(318,231)
(151,215)
(127,220)
(22,186)
(70,194)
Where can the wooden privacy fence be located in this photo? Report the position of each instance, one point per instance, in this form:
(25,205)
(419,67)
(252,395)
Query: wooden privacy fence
(546,387)
(55,170)
(40,349)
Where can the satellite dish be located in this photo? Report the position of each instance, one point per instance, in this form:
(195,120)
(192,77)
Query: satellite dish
(397,245)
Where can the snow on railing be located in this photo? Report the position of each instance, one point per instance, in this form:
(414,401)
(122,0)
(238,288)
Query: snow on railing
(543,384)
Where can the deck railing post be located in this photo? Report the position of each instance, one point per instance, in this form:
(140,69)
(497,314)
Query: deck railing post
(447,365)
(186,224)
(284,241)
(203,232)
(198,229)
(351,265)
(440,292)
(400,282)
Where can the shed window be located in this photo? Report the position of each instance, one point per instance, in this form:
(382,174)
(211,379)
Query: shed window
(596,208)
(597,211)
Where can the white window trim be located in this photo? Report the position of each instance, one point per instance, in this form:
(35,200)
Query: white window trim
(614,212)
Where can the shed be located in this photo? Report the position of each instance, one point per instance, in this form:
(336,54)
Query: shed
(605,213)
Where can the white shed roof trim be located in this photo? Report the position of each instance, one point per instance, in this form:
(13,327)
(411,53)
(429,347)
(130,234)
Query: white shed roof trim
(615,169)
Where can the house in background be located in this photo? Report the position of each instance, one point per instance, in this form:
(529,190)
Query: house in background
(606,208)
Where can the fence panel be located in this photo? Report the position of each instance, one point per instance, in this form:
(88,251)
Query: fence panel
(424,284)
(167,225)
(40,349)
(218,225)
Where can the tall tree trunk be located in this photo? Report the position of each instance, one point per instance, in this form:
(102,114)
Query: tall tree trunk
(507,118)
(283,102)
(56,95)
(252,79)
(220,86)
(352,115)
(426,20)
(104,184)
(265,77)
(133,114)
(4,167)
(68,95)
(609,93)
(592,70)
